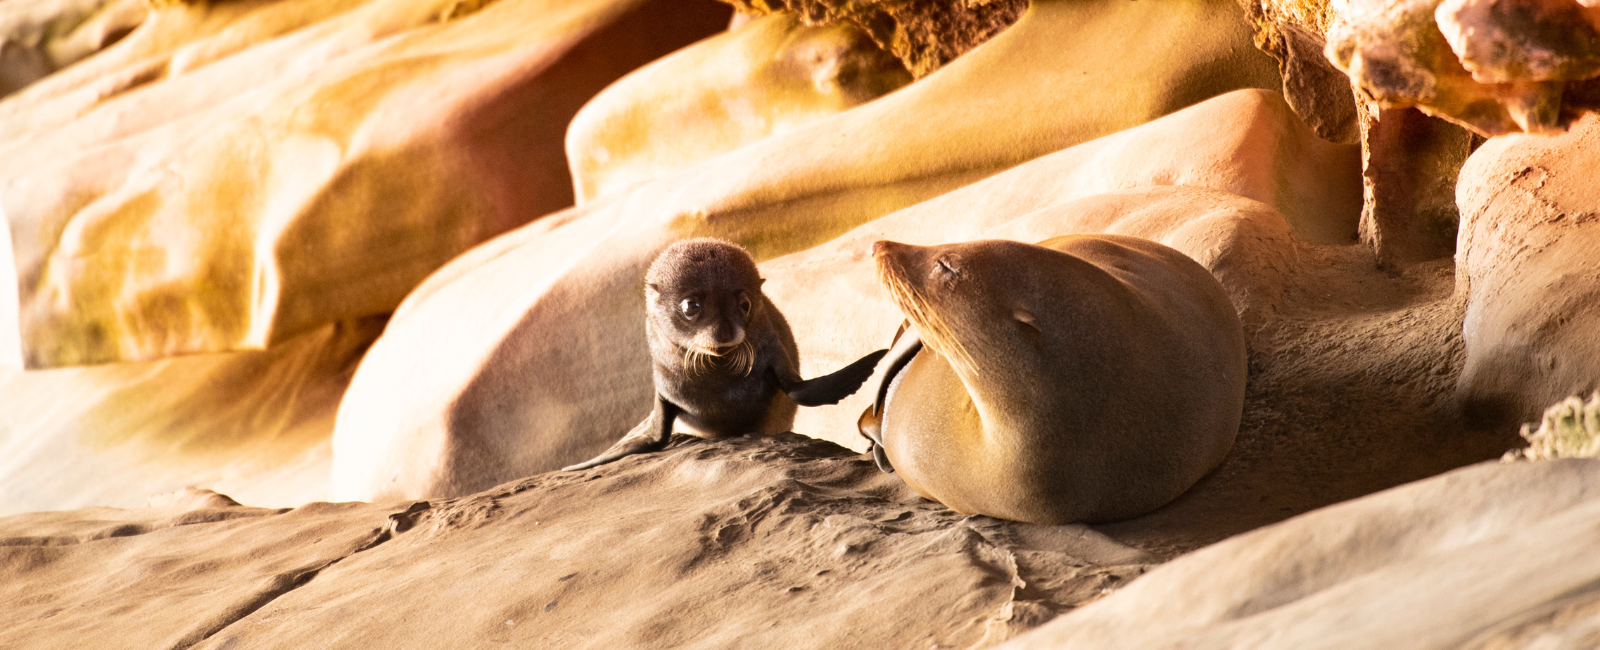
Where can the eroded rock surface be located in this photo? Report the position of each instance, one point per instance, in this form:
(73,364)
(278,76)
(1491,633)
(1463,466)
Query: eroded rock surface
(1530,227)
(925,35)
(166,576)
(1494,66)
(232,174)
(745,542)
(528,353)
(1491,556)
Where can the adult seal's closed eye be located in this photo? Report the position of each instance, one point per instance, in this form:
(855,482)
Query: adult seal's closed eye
(1089,378)
(724,361)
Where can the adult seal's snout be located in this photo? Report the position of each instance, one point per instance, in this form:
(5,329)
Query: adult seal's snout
(1088,378)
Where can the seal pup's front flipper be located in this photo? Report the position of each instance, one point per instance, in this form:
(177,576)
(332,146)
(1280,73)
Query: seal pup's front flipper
(906,346)
(650,435)
(830,388)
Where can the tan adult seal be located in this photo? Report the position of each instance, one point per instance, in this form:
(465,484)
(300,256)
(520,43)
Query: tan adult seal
(1088,378)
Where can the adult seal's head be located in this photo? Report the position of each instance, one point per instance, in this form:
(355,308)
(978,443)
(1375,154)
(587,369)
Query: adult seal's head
(1088,378)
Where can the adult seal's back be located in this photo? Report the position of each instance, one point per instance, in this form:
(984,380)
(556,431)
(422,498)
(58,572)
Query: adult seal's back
(1088,378)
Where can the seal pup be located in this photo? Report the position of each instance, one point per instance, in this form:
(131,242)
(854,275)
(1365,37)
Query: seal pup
(724,360)
(1089,378)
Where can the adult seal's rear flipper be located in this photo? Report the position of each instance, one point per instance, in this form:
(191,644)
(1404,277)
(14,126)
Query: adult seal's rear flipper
(650,435)
(829,389)
(905,347)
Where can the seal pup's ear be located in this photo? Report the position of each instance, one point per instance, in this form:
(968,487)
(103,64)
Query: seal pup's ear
(651,289)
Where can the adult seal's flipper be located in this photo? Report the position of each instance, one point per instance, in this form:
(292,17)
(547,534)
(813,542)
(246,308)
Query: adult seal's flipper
(906,346)
(650,435)
(829,389)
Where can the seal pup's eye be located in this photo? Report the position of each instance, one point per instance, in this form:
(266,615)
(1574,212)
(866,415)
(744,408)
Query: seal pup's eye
(944,266)
(690,308)
(744,304)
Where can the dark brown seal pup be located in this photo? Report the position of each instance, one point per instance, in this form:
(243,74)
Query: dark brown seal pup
(1090,378)
(725,362)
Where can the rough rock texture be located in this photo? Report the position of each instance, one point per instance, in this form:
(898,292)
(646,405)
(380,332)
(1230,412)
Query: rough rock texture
(924,34)
(1530,227)
(528,353)
(232,174)
(763,78)
(1294,33)
(165,576)
(1492,556)
(1493,66)
(746,542)
(255,424)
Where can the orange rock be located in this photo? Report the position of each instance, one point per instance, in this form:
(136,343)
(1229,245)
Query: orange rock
(235,173)
(766,77)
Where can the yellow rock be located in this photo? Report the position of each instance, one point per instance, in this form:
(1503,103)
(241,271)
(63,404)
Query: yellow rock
(235,173)
(761,79)
(528,354)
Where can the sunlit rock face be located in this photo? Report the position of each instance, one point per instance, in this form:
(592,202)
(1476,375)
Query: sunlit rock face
(38,37)
(1494,66)
(528,353)
(924,34)
(232,174)
(1526,259)
(765,77)
(1490,556)
(254,423)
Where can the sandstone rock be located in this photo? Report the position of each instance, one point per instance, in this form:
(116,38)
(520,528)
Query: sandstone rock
(925,35)
(746,542)
(255,424)
(528,353)
(1492,556)
(1493,66)
(233,174)
(165,577)
(1526,259)
(761,79)
(38,37)
(1294,33)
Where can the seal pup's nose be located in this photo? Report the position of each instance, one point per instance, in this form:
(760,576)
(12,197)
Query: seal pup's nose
(883,246)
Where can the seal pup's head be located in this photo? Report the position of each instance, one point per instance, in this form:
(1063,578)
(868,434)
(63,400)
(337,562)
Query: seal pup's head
(701,296)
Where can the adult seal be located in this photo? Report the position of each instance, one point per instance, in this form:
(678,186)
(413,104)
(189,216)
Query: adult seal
(1089,378)
(724,360)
